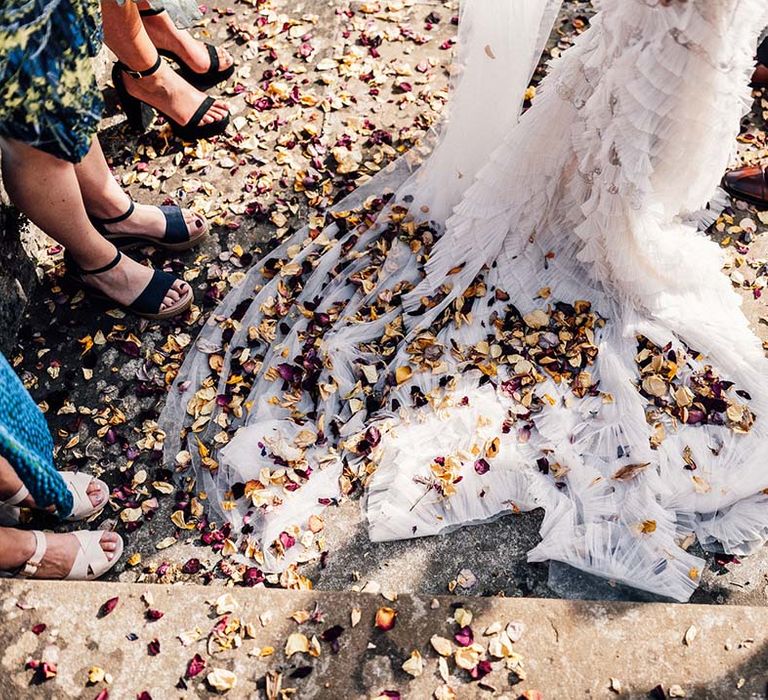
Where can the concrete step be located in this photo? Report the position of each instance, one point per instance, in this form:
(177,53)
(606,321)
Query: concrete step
(563,649)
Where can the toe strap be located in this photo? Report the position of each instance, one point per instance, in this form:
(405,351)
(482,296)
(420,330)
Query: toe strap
(202,110)
(176,230)
(150,301)
(78,484)
(214,56)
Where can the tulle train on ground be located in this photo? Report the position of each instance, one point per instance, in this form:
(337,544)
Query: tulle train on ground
(523,322)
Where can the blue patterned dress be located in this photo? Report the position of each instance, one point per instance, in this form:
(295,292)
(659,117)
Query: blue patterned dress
(26,443)
(49,98)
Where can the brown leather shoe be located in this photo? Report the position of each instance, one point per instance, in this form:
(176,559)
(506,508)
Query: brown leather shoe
(749,184)
(760,76)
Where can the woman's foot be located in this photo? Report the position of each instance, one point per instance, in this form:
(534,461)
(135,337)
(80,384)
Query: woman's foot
(145,219)
(18,546)
(125,282)
(10,484)
(173,96)
(165,35)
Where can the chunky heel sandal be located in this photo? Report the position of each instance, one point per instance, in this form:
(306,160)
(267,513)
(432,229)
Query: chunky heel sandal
(203,81)
(148,303)
(91,560)
(138,112)
(177,234)
(77,483)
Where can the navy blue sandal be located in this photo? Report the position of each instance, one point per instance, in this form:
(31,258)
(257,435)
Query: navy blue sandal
(177,234)
(149,303)
(202,81)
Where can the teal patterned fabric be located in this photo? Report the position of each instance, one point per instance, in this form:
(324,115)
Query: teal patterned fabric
(26,443)
(48,93)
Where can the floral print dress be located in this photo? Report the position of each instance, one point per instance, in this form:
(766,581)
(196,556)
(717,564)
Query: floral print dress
(49,98)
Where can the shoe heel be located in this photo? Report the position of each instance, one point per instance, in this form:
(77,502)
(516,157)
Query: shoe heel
(138,114)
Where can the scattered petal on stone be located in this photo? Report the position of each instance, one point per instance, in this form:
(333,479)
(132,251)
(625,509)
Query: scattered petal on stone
(385,618)
(296,643)
(441,645)
(221,679)
(165,543)
(463,617)
(95,675)
(108,607)
(467,657)
(515,631)
(466,578)
(464,637)
(414,665)
(194,666)
(225,603)
(445,692)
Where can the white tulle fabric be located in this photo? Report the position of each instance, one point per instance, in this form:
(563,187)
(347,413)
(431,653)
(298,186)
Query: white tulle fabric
(585,194)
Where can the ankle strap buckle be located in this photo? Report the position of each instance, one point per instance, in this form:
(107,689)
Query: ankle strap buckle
(133,73)
(138,74)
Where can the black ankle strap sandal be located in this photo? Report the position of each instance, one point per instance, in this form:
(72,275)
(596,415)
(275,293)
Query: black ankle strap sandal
(149,303)
(139,113)
(203,81)
(177,235)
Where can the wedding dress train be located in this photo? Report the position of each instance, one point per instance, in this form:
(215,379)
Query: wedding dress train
(520,319)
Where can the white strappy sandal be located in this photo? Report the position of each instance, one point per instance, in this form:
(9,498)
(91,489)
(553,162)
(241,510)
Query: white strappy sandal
(77,483)
(91,560)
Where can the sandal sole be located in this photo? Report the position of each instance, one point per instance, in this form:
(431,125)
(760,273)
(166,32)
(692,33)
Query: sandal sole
(162,316)
(144,241)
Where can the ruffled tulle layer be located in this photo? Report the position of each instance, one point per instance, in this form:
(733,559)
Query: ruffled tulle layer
(549,334)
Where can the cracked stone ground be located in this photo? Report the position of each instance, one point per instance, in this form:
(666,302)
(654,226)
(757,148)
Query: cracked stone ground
(326,92)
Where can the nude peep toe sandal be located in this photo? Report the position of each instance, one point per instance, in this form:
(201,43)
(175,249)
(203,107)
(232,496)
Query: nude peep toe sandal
(91,560)
(77,483)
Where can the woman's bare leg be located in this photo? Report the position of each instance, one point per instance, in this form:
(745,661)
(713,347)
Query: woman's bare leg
(17,546)
(47,190)
(105,199)
(10,483)
(165,35)
(125,35)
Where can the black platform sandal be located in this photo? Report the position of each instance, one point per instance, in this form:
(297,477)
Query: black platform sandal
(177,234)
(148,303)
(139,113)
(203,81)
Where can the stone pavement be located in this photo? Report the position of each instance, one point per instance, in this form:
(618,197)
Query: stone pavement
(325,93)
(535,649)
